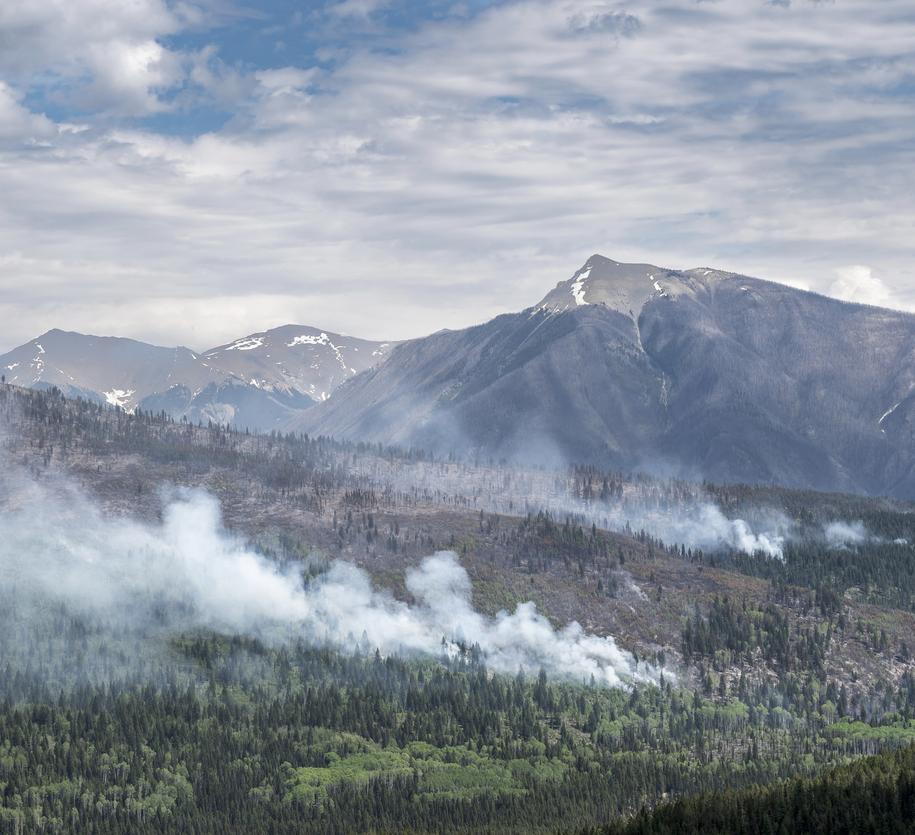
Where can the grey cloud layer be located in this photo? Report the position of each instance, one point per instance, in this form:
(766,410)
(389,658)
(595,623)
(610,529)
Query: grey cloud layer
(459,176)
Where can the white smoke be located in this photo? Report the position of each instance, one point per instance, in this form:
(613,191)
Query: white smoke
(843,534)
(64,550)
(705,526)
(697,522)
(846,534)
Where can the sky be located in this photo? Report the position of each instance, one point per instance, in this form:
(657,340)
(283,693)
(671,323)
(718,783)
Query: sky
(191,171)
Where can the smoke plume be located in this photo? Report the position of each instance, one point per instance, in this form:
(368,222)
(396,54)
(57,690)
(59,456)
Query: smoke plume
(696,521)
(62,550)
(705,526)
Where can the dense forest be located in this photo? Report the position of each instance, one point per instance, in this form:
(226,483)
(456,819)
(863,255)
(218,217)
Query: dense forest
(209,733)
(771,669)
(873,796)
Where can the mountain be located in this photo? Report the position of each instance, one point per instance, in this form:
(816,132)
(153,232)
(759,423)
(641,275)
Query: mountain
(296,359)
(109,369)
(698,373)
(625,288)
(259,381)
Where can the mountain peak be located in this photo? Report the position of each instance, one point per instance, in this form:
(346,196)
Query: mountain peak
(625,288)
(596,259)
(295,358)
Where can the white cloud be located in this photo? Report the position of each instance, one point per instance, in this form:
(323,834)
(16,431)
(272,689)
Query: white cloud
(857,283)
(286,79)
(102,54)
(357,8)
(129,76)
(19,124)
(461,174)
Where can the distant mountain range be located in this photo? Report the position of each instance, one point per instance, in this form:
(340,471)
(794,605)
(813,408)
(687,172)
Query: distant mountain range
(697,373)
(260,381)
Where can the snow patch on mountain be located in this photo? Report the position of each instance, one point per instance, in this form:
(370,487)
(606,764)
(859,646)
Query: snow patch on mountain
(888,412)
(309,339)
(119,397)
(247,344)
(578,292)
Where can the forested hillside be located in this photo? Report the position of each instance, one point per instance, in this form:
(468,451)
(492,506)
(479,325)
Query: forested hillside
(765,667)
(874,796)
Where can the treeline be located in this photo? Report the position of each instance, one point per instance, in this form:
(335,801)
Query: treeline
(288,466)
(873,796)
(878,567)
(888,518)
(877,571)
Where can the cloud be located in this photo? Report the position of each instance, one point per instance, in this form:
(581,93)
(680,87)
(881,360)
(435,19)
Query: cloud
(858,284)
(99,54)
(285,80)
(605,21)
(449,171)
(357,8)
(18,123)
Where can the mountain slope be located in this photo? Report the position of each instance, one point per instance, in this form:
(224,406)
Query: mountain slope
(258,382)
(296,358)
(523,385)
(698,372)
(110,369)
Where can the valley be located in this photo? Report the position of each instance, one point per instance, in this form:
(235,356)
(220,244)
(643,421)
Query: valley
(492,417)
(769,666)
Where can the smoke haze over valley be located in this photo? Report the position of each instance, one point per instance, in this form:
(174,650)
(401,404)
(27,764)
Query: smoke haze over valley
(188,573)
(141,552)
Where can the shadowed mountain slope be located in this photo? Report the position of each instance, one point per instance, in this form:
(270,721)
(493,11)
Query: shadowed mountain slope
(699,372)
